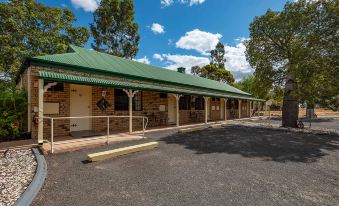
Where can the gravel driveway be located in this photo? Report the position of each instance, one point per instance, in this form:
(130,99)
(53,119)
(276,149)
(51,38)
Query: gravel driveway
(233,165)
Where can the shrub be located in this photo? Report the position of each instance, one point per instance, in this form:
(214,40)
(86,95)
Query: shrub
(13,108)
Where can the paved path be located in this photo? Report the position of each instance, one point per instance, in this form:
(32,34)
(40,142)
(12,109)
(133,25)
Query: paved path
(227,166)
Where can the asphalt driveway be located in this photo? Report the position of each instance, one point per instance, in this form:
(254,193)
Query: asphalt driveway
(233,165)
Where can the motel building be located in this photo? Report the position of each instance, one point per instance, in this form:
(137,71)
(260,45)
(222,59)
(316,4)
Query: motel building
(84,94)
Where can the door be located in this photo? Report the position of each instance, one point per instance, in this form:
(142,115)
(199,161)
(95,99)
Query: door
(222,109)
(80,105)
(215,109)
(171,109)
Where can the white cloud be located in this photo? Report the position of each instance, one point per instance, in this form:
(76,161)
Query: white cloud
(173,61)
(87,5)
(144,60)
(236,60)
(198,40)
(158,56)
(157,28)
(166,3)
(192,2)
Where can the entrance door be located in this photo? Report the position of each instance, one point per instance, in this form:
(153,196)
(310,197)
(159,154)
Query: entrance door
(171,109)
(215,109)
(80,105)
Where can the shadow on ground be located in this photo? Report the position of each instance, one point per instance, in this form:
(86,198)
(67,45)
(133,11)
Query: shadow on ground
(271,145)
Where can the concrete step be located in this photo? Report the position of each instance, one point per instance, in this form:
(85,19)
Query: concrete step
(121,151)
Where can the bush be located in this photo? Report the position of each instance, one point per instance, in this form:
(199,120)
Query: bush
(13,109)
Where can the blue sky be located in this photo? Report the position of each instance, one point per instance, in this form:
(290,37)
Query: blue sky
(181,32)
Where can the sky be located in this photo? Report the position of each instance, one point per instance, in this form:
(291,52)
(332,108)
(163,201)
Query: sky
(181,33)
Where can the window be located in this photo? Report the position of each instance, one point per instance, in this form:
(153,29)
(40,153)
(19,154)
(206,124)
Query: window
(229,104)
(199,103)
(163,95)
(185,102)
(121,101)
(236,104)
(59,87)
(137,102)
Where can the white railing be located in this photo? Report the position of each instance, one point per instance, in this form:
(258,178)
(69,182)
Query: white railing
(144,125)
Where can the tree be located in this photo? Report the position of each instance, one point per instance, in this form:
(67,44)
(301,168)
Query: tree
(295,49)
(28,28)
(218,55)
(216,69)
(114,29)
(211,71)
(251,85)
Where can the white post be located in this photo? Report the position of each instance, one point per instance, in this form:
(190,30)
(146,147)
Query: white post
(29,109)
(107,130)
(52,135)
(225,108)
(239,108)
(265,113)
(41,112)
(250,108)
(177,98)
(206,112)
(143,127)
(130,93)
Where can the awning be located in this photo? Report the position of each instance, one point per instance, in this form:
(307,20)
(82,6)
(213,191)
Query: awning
(134,85)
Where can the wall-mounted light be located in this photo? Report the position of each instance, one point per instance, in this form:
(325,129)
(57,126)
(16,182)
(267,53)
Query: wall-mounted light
(103,93)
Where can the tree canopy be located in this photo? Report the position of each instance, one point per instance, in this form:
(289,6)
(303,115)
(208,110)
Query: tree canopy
(216,69)
(29,28)
(114,30)
(297,48)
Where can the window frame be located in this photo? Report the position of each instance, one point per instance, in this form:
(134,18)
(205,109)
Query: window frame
(185,102)
(199,103)
(124,105)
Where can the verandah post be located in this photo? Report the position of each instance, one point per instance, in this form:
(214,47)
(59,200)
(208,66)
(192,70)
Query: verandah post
(206,112)
(41,112)
(225,109)
(130,93)
(177,98)
(239,108)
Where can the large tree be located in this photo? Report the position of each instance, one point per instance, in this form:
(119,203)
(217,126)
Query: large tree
(114,29)
(297,48)
(216,69)
(29,28)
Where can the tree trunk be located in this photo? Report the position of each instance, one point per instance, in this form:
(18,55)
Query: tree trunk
(290,109)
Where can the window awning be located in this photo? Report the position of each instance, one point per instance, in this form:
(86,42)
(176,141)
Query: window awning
(134,85)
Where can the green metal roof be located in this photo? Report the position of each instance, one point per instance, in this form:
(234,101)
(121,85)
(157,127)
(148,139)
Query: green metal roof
(132,85)
(91,61)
